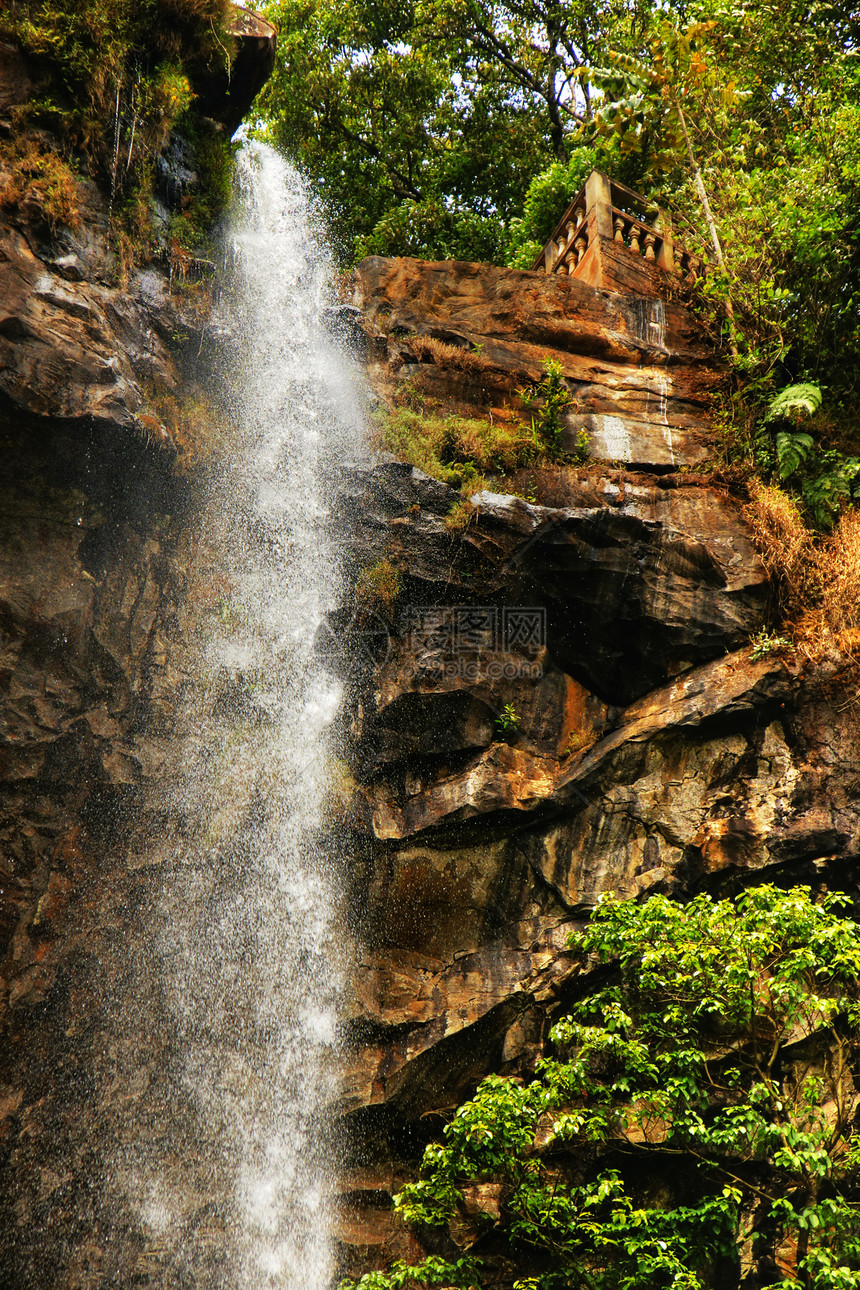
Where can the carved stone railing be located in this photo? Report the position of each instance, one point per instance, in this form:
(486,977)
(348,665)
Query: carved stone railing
(569,242)
(603,217)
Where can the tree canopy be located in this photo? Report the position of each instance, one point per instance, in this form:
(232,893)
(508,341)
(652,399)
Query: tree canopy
(694,1125)
(459,128)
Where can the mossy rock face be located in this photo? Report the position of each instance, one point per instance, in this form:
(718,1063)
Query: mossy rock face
(116,90)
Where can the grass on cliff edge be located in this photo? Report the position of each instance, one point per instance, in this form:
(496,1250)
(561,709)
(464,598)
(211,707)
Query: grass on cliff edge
(816,578)
(456,450)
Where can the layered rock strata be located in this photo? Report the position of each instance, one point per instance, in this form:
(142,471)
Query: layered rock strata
(611,617)
(639,369)
(650,752)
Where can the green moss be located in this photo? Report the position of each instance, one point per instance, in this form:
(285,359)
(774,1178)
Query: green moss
(214,156)
(456,450)
(119,77)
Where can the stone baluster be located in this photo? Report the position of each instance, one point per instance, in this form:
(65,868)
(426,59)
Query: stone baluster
(634,238)
(580,246)
(650,240)
(619,229)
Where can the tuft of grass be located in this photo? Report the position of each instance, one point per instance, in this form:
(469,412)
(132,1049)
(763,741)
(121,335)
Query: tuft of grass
(460,516)
(379,585)
(454,449)
(765,642)
(427,349)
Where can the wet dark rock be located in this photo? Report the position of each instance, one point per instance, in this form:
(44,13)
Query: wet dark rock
(227,95)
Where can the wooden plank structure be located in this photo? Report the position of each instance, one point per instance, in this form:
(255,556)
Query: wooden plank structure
(606,239)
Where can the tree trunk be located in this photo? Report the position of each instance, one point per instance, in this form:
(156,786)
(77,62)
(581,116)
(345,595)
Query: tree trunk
(709,215)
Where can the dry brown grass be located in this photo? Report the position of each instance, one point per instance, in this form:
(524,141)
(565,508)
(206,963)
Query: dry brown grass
(839,575)
(817,581)
(785,545)
(427,349)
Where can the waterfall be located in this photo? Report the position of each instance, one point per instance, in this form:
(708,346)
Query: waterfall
(248,945)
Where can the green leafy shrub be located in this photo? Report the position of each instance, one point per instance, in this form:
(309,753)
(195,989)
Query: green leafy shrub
(826,480)
(698,1106)
(553,396)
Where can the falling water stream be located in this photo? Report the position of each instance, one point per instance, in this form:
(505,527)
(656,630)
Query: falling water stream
(248,947)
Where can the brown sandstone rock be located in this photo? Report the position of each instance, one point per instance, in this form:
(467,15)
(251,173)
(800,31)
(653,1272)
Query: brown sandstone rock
(640,373)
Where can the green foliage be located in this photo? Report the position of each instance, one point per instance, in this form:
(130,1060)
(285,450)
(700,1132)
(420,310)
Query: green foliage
(765,642)
(508,720)
(825,480)
(795,402)
(792,452)
(422,123)
(554,396)
(699,1103)
(580,453)
(430,230)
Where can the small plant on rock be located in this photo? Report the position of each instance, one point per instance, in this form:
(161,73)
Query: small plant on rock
(379,584)
(765,642)
(508,720)
(579,456)
(554,397)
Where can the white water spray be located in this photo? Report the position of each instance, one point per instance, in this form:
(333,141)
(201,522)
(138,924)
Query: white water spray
(248,943)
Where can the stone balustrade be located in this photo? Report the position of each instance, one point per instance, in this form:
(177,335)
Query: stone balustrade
(602,219)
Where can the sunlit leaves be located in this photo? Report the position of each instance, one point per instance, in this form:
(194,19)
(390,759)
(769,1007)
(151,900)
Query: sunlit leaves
(722,1042)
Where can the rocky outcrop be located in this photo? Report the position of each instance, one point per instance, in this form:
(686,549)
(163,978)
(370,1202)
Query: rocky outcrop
(639,369)
(650,751)
(227,96)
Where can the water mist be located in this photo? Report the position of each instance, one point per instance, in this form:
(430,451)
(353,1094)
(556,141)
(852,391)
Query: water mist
(248,944)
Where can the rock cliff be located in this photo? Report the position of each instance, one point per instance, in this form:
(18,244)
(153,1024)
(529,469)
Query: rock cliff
(651,752)
(610,612)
